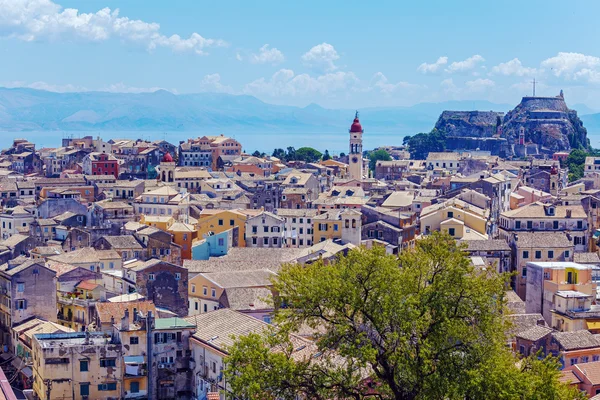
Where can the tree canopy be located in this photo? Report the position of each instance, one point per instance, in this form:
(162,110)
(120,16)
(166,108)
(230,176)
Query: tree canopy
(424,325)
(421,144)
(326,155)
(378,155)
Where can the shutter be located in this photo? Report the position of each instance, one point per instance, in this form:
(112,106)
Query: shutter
(156,337)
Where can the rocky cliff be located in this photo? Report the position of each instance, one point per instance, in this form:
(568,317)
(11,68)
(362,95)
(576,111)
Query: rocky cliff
(474,124)
(547,122)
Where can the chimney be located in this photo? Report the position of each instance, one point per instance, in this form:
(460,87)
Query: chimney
(125,321)
(541,322)
(569,213)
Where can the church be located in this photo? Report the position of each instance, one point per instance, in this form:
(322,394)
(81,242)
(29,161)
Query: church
(355,157)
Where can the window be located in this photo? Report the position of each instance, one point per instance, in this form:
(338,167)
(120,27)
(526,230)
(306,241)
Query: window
(266,241)
(20,287)
(450,214)
(525,254)
(538,254)
(231,222)
(213,292)
(550,253)
(573,361)
(150,277)
(204,290)
(177,276)
(451,231)
(579,224)
(336,227)
(21,304)
(529,224)
(555,224)
(267,319)
(275,241)
(83,366)
(107,362)
(517,224)
(595,358)
(220,222)
(185,237)
(84,389)
(134,340)
(567,254)
(524,274)
(221,242)
(585,359)
(205,308)
(134,387)
(254,240)
(193,288)
(107,387)
(196,305)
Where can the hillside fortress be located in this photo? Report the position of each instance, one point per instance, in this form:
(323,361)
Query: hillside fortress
(537,126)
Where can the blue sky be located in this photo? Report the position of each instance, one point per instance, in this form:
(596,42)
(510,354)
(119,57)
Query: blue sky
(334,53)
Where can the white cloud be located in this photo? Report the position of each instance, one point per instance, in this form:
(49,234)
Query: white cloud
(448,84)
(238,57)
(286,83)
(480,85)
(212,83)
(321,56)
(568,64)
(513,67)
(433,68)
(267,55)
(465,65)
(381,82)
(31,20)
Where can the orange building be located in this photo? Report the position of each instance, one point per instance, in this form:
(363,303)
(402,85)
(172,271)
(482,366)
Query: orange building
(183,235)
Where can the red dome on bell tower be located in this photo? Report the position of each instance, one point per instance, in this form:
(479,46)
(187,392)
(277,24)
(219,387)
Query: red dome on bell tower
(167,157)
(356,126)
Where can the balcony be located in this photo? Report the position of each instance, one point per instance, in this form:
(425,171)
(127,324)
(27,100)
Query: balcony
(75,299)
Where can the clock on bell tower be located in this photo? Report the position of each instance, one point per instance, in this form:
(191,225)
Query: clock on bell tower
(355,156)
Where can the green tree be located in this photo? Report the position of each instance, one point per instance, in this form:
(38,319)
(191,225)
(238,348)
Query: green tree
(256,153)
(421,144)
(377,155)
(307,154)
(279,153)
(424,325)
(342,154)
(326,155)
(291,154)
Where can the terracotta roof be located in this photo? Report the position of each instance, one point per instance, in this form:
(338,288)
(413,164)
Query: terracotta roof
(87,285)
(569,376)
(106,310)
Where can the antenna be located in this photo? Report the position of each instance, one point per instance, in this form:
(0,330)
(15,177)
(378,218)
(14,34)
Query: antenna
(534,82)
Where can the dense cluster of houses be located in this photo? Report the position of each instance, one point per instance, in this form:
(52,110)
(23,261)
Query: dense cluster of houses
(127,265)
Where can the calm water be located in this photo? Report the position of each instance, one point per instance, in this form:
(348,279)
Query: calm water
(334,142)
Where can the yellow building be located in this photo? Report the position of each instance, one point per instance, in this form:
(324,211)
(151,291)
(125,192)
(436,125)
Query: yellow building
(456,217)
(158,221)
(218,221)
(77,366)
(75,308)
(344,224)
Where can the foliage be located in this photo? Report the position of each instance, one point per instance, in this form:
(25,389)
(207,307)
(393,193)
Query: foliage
(378,155)
(342,154)
(258,154)
(308,154)
(424,325)
(421,144)
(576,162)
(326,155)
(279,153)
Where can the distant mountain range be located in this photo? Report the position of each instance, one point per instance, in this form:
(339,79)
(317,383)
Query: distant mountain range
(23,109)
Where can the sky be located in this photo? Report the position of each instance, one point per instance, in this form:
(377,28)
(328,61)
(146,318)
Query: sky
(333,53)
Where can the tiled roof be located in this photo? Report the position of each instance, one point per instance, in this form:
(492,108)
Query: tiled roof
(535,333)
(569,377)
(106,310)
(243,259)
(487,245)
(542,240)
(249,298)
(123,242)
(240,279)
(586,258)
(576,340)
(537,210)
(523,322)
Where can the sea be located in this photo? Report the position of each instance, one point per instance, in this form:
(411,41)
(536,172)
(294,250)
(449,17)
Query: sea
(335,143)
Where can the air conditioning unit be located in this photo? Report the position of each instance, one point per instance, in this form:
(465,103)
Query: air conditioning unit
(161,366)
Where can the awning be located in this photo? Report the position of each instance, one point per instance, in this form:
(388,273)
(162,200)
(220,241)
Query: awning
(27,372)
(133,359)
(592,324)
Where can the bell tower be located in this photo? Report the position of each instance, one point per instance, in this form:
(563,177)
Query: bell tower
(355,156)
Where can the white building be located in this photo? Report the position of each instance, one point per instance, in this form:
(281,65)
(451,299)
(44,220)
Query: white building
(298,226)
(265,230)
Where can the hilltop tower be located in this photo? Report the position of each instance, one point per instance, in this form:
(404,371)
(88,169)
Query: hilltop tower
(355,156)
